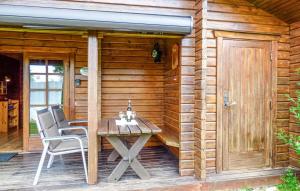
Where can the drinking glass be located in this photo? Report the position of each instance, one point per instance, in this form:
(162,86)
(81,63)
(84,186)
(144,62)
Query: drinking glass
(121,115)
(133,114)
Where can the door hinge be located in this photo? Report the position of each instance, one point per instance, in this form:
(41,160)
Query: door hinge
(270,105)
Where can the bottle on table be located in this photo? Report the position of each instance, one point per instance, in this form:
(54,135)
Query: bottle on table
(129,111)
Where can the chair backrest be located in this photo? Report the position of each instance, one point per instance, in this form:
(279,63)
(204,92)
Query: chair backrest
(47,126)
(59,116)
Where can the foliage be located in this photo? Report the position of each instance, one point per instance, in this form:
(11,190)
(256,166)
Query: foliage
(292,140)
(290,182)
(33,127)
(246,189)
(59,69)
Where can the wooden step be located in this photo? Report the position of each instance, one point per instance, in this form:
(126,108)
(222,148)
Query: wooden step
(168,139)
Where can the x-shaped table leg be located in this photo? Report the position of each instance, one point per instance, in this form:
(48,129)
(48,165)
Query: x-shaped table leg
(114,155)
(128,157)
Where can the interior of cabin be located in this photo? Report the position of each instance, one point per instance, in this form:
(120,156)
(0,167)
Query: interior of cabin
(11,129)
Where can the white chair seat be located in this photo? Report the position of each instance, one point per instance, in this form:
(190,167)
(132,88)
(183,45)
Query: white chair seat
(68,145)
(56,144)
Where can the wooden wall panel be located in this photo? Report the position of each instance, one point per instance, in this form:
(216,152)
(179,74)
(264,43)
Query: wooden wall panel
(187,100)
(200,90)
(129,72)
(167,7)
(21,42)
(171,96)
(286,10)
(241,16)
(294,80)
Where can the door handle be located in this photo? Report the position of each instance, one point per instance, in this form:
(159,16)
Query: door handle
(230,104)
(226,101)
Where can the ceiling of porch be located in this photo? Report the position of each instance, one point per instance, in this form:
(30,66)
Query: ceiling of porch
(288,10)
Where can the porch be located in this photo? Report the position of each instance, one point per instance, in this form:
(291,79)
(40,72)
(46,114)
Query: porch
(66,174)
(18,173)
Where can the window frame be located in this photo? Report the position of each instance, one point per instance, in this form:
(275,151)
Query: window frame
(26,87)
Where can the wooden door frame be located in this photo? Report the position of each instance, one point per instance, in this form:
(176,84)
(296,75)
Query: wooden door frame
(221,35)
(68,60)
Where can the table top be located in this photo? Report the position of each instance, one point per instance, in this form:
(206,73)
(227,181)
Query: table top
(108,127)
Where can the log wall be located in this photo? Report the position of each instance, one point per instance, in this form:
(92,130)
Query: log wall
(197,90)
(171,95)
(187,70)
(294,79)
(200,83)
(129,72)
(241,16)
(168,7)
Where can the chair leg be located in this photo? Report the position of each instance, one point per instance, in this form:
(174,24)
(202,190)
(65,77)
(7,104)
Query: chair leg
(38,172)
(84,165)
(50,162)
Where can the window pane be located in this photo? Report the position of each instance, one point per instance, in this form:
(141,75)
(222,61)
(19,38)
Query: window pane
(33,119)
(55,82)
(37,66)
(55,97)
(55,66)
(37,98)
(37,81)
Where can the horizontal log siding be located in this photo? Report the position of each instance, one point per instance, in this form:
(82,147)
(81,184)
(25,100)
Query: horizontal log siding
(241,16)
(294,79)
(53,43)
(200,83)
(129,72)
(167,7)
(171,97)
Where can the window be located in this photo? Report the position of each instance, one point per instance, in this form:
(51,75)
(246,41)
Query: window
(45,87)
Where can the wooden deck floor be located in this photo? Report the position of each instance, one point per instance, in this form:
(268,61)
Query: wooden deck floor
(11,141)
(18,173)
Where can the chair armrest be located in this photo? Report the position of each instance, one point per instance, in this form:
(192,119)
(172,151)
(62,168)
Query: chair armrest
(70,122)
(61,138)
(73,128)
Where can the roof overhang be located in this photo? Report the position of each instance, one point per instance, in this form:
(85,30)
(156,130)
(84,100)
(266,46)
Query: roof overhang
(50,17)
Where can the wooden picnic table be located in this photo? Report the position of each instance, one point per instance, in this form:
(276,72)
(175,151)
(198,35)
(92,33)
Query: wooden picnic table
(115,133)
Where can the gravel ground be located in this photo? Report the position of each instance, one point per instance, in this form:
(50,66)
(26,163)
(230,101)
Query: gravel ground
(272,188)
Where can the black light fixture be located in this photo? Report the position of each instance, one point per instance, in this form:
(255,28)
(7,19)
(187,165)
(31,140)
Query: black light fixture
(77,82)
(156,53)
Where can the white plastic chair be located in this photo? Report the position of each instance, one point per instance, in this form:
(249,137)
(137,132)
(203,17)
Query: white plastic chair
(56,144)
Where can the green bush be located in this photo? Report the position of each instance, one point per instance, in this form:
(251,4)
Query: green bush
(290,182)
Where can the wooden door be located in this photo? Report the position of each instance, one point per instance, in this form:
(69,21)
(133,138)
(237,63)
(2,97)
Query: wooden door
(46,83)
(246,103)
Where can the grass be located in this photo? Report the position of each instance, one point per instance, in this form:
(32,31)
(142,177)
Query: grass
(33,128)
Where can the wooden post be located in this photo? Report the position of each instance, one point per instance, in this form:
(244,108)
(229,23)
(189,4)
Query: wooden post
(93,107)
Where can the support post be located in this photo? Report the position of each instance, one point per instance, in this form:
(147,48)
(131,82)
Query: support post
(92,107)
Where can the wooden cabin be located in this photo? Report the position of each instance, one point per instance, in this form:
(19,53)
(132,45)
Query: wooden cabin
(218,91)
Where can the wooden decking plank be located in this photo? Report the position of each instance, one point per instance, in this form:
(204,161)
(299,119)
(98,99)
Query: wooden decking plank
(151,125)
(162,165)
(103,127)
(113,129)
(143,127)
